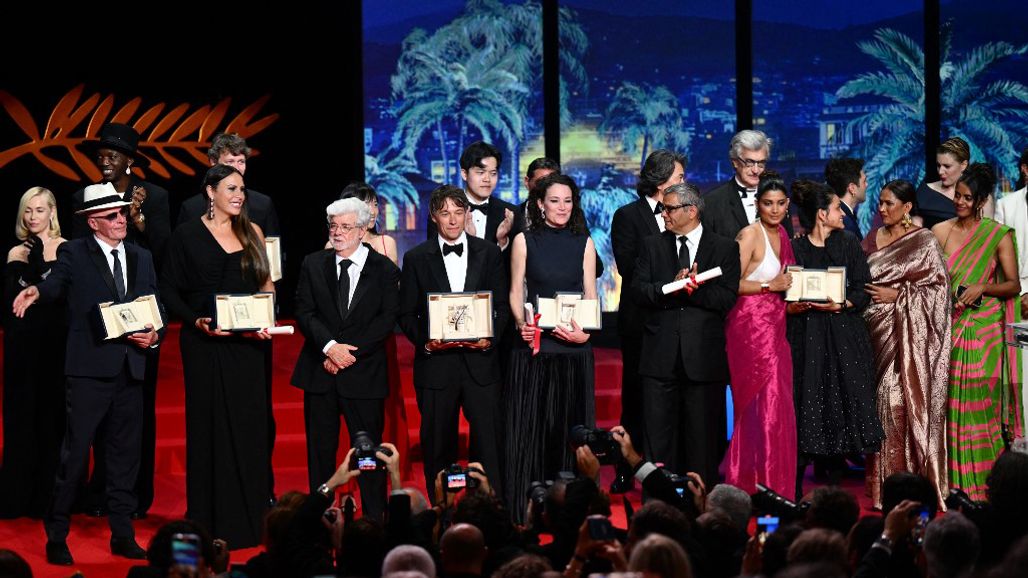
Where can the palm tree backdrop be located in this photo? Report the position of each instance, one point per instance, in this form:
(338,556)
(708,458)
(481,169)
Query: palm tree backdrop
(647,113)
(991,116)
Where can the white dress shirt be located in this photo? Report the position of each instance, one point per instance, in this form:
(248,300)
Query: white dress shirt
(358,259)
(456,265)
(660,218)
(749,204)
(106,250)
(477,217)
(692,240)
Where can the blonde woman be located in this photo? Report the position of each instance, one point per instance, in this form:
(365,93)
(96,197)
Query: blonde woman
(33,398)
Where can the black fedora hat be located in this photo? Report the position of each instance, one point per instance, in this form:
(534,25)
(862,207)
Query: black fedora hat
(120,137)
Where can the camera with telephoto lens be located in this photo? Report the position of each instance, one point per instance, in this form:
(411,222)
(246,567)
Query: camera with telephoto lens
(364,458)
(600,442)
(537,492)
(767,502)
(958,499)
(458,478)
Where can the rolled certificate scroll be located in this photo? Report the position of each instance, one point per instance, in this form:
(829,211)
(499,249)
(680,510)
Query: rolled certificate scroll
(682,283)
(280,330)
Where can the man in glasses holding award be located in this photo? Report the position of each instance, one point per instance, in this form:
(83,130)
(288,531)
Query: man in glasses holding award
(684,365)
(453,303)
(346,304)
(104,371)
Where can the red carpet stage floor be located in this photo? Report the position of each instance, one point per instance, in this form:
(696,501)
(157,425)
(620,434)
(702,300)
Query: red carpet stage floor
(89,536)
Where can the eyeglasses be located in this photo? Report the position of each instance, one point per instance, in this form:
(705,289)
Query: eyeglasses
(333,227)
(750,163)
(114,216)
(669,208)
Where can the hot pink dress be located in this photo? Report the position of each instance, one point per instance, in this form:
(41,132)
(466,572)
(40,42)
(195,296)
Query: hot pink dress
(763,448)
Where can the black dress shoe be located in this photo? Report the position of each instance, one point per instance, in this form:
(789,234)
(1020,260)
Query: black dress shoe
(127,548)
(58,553)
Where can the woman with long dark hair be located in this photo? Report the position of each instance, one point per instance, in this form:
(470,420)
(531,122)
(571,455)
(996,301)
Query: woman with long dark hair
(984,400)
(833,376)
(226,407)
(551,391)
(909,315)
(763,446)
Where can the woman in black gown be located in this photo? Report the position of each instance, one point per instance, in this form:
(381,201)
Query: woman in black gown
(33,397)
(935,200)
(226,406)
(834,386)
(552,391)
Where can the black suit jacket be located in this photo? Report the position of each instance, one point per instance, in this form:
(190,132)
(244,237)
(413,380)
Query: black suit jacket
(492,221)
(155,210)
(849,221)
(82,277)
(724,214)
(693,324)
(631,224)
(370,319)
(424,273)
(259,207)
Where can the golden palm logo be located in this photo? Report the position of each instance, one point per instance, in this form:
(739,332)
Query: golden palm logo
(169,137)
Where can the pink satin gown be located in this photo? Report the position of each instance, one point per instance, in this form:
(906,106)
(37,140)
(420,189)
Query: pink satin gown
(763,447)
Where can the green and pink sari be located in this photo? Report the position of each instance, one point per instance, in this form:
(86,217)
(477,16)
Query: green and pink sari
(985,372)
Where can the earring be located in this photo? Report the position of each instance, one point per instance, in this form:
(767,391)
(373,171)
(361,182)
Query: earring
(906,221)
(210,209)
(128,170)
(979,211)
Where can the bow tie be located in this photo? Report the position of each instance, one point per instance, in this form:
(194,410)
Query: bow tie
(659,208)
(484,207)
(458,249)
(743,191)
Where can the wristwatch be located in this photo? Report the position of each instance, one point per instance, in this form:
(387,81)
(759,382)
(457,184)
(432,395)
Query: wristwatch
(324,490)
(765,287)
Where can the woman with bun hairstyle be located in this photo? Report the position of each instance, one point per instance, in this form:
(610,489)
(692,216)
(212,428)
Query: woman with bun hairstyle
(833,377)
(909,315)
(984,403)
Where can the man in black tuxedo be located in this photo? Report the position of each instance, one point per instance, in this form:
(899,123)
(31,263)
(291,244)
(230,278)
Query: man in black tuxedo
(684,366)
(733,205)
(231,149)
(115,153)
(847,179)
(631,224)
(451,376)
(104,376)
(488,217)
(346,304)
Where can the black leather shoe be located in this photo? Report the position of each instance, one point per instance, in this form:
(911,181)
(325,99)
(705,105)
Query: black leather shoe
(58,553)
(272,501)
(127,548)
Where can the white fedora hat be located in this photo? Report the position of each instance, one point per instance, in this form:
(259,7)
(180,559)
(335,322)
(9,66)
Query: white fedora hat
(100,197)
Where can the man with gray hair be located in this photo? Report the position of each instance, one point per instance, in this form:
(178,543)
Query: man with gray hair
(408,558)
(733,205)
(684,367)
(347,298)
(733,501)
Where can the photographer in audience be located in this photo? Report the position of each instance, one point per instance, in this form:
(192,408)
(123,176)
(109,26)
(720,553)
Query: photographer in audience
(687,493)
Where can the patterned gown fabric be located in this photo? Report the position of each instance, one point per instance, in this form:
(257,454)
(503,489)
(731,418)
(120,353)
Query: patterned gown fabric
(763,447)
(911,385)
(985,373)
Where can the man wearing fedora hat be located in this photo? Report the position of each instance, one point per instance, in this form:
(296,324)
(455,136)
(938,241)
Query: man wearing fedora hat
(115,153)
(105,393)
